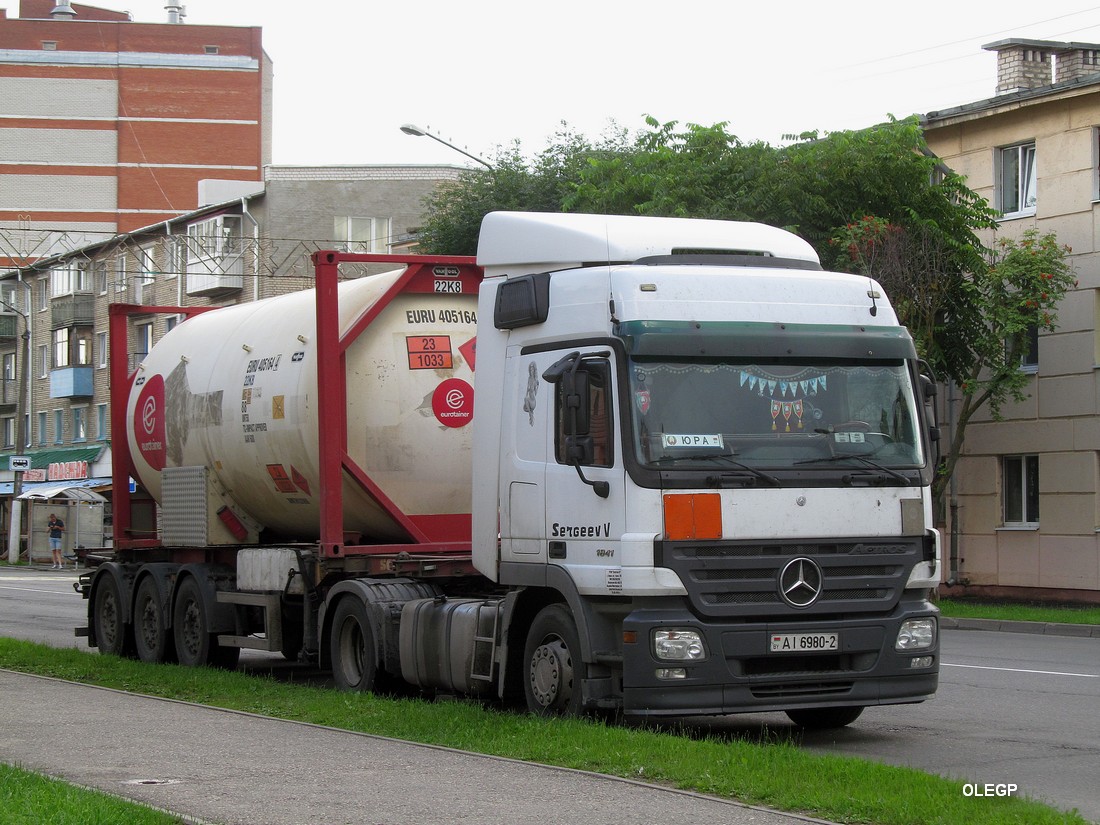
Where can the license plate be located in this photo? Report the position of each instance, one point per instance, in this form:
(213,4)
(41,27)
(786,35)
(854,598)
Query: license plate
(804,642)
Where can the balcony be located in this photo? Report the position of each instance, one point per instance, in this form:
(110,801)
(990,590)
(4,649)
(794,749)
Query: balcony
(9,326)
(9,394)
(71,382)
(215,276)
(75,309)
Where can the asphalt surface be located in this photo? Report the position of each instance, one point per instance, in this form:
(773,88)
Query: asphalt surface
(210,765)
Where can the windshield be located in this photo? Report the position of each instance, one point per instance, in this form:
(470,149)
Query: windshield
(773,414)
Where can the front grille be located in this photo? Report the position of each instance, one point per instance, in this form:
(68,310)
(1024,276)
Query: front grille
(741,579)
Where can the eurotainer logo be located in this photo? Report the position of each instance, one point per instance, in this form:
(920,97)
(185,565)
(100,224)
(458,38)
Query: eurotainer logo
(149,423)
(453,403)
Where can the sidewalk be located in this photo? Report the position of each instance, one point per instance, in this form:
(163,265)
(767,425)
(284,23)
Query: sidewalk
(211,765)
(1038,628)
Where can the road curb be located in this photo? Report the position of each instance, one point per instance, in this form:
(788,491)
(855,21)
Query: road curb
(1036,628)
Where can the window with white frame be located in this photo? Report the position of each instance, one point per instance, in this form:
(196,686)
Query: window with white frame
(101,349)
(43,361)
(42,420)
(120,272)
(1017,181)
(9,366)
(69,278)
(362,234)
(1028,348)
(61,352)
(101,422)
(145,277)
(80,423)
(1020,490)
(43,291)
(7,425)
(99,276)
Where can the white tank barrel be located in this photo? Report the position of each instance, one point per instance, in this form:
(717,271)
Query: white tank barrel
(234,391)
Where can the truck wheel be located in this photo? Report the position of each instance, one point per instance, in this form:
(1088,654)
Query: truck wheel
(111,633)
(150,637)
(352,648)
(196,646)
(823,718)
(554,668)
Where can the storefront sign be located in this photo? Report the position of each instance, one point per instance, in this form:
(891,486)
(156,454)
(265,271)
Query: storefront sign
(66,471)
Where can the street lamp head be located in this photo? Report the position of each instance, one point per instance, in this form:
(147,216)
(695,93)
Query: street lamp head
(416,131)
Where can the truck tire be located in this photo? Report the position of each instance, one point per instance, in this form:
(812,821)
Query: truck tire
(112,634)
(553,669)
(354,652)
(151,638)
(824,718)
(196,646)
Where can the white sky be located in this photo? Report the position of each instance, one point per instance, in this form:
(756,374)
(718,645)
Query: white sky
(482,73)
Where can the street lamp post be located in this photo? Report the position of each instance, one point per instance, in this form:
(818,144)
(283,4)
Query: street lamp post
(416,131)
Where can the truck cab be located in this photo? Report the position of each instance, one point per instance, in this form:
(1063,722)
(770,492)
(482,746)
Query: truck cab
(712,459)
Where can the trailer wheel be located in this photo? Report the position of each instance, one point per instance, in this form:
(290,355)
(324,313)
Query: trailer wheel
(823,718)
(196,646)
(554,668)
(112,635)
(150,636)
(353,650)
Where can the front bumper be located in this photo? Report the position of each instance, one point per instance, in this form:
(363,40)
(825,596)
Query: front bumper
(740,675)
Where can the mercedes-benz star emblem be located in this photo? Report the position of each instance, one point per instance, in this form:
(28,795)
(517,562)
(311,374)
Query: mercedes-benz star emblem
(800,582)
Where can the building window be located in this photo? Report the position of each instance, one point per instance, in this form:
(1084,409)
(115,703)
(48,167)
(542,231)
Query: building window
(7,425)
(144,342)
(49,45)
(1029,349)
(80,423)
(370,235)
(101,422)
(58,426)
(42,428)
(9,366)
(43,290)
(1021,490)
(143,283)
(99,276)
(101,349)
(210,49)
(43,361)
(61,347)
(1017,189)
(120,272)
(67,279)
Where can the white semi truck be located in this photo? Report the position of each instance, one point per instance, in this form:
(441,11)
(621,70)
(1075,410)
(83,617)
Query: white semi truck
(652,465)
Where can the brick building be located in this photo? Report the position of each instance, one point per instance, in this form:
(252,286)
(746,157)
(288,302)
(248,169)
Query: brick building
(107,124)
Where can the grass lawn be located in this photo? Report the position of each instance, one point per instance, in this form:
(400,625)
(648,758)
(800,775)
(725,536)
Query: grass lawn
(779,775)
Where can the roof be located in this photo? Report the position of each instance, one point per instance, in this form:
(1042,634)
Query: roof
(1013,100)
(76,490)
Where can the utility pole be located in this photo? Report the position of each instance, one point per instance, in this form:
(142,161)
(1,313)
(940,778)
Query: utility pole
(15,523)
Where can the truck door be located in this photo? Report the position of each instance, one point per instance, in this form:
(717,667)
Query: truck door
(524,428)
(585,475)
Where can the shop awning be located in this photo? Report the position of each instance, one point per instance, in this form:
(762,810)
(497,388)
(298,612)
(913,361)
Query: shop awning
(81,490)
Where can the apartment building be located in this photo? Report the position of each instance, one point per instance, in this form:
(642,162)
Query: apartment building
(108,124)
(234,249)
(1028,487)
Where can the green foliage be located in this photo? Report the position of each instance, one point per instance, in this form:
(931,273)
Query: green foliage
(874,202)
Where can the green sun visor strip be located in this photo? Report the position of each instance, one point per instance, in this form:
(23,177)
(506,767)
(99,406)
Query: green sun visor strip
(745,339)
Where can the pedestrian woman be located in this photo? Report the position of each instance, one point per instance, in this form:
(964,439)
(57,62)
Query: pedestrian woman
(57,528)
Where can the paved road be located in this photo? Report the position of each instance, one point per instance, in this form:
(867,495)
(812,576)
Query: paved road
(1011,707)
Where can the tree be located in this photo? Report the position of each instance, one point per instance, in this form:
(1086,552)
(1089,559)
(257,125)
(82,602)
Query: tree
(453,214)
(874,201)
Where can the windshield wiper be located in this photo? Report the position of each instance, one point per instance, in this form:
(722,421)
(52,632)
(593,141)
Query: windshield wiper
(724,457)
(843,456)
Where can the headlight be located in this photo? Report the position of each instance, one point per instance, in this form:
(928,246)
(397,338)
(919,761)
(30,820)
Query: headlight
(916,634)
(679,645)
